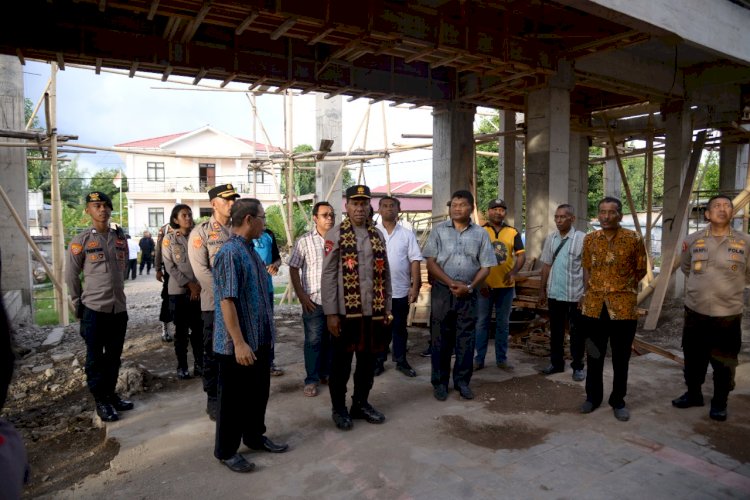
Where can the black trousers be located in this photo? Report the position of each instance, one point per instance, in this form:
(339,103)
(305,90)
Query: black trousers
(342,353)
(453,328)
(243,397)
(561,314)
(146,262)
(397,331)
(165,313)
(104,334)
(715,340)
(131,268)
(188,326)
(210,366)
(619,334)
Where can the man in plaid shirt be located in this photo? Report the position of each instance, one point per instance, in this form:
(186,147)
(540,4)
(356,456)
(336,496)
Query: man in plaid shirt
(305,270)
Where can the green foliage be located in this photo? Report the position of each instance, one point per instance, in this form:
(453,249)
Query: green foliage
(103,181)
(275,223)
(487,166)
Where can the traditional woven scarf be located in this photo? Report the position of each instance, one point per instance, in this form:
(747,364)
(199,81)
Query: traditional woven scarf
(350,271)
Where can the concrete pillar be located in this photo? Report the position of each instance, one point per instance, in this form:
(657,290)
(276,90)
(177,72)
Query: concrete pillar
(547,157)
(510,170)
(452,153)
(676,154)
(730,166)
(578,183)
(328,125)
(16,258)
(612,177)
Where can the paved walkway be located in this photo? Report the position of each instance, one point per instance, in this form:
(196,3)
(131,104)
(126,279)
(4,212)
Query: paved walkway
(455,449)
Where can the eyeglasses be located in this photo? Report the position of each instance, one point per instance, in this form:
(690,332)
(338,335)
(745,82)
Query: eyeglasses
(329,215)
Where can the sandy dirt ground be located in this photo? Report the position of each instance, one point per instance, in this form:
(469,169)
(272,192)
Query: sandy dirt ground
(521,437)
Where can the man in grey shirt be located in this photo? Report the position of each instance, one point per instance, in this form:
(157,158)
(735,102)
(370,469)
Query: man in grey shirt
(459,256)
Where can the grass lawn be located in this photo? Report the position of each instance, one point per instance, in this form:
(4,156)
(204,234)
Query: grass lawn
(44,307)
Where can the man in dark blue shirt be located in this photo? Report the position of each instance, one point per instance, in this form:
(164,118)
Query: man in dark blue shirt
(243,339)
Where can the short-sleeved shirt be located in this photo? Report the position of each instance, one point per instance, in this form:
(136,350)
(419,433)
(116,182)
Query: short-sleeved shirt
(307,256)
(615,268)
(566,276)
(507,245)
(240,275)
(717,271)
(205,241)
(266,247)
(403,249)
(102,257)
(460,254)
(174,251)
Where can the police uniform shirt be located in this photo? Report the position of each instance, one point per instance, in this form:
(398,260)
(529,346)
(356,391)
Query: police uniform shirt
(174,251)
(332,280)
(717,271)
(204,243)
(158,261)
(102,257)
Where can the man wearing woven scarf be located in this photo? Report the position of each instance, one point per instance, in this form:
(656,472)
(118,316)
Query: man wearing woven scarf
(356,294)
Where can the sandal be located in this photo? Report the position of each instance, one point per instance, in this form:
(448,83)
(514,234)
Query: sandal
(311,390)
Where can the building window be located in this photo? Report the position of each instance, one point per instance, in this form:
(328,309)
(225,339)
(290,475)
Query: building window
(155,217)
(258,176)
(155,171)
(206,176)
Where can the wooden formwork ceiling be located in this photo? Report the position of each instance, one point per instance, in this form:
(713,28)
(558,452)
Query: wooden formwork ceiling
(423,52)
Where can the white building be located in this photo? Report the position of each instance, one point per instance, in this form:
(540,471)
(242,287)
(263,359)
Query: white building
(182,168)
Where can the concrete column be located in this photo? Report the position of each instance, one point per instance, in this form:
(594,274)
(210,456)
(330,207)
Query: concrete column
(677,151)
(578,183)
(16,258)
(328,125)
(730,167)
(547,157)
(452,153)
(612,177)
(510,169)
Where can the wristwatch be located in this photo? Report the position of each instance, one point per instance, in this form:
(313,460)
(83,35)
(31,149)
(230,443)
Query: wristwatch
(469,287)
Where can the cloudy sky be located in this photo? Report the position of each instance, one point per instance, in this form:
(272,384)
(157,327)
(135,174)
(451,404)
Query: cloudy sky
(109,109)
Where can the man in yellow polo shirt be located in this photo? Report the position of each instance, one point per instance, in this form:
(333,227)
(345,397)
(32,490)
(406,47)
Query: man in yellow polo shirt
(499,288)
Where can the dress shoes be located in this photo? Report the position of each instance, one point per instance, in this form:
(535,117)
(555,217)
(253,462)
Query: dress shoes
(237,463)
(440,392)
(366,412)
(183,374)
(551,369)
(465,392)
(579,375)
(120,404)
(342,419)
(622,414)
(587,407)
(406,369)
(379,367)
(688,400)
(197,371)
(269,446)
(106,412)
(718,414)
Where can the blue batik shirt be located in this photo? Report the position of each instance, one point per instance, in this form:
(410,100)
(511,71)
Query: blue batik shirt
(240,275)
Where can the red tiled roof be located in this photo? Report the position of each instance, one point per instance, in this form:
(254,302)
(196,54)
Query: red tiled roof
(403,187)
(155,142)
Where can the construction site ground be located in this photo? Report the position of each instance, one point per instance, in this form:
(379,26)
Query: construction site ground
(521,437)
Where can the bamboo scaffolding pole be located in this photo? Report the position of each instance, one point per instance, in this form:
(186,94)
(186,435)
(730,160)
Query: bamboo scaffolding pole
(343,164)
(361,173)
(387,156)
(58,245)
(650,188)
(38,105)
(288,133)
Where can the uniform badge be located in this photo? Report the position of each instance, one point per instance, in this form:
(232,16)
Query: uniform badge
(734,267)
(165,243)
(213,236)
(216,226)
(698,266)
(76,248)
(197,242)
(328,246)
(92,244)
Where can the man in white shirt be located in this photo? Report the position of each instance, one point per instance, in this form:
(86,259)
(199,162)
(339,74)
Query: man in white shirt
(562,288)
(404,257)
(133,250)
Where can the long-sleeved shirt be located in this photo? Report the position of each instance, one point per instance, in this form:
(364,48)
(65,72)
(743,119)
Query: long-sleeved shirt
(175,254)
(205,242)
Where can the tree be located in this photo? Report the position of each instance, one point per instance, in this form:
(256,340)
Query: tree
(487,166)
(275,222)
(104,181)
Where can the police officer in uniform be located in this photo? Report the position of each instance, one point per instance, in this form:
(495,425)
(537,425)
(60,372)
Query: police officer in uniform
(165,314)
(101,253)
(715,261)
(204,243)
(184,291)
(356,294)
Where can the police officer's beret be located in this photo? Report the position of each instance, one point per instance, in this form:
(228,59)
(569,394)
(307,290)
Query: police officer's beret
(99,196)
(225,191)
(358,191)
